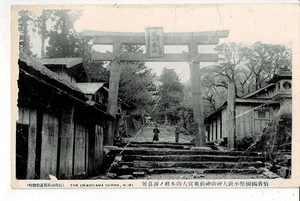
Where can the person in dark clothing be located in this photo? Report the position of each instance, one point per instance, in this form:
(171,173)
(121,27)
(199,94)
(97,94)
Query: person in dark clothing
(177,132)
(155,131)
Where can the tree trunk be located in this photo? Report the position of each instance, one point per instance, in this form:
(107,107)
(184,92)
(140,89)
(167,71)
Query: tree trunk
(43,37)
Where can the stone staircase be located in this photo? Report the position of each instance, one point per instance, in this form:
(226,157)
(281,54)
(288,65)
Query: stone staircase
(144,158)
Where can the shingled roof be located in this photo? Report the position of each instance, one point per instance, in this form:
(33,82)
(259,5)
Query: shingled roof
(90,88)
(31,67)
(68,62)
(74,66)
(41,69)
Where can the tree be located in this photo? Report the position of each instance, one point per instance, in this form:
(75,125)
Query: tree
(250,66)
(265,60)
(232,56)
(64,40)
(215,77)
(25,25)
(42,28)
(135,82)
(171,96)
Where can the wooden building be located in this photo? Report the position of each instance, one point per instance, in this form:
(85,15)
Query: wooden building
(71,69)
(96,92)
(253,111)
(59,130)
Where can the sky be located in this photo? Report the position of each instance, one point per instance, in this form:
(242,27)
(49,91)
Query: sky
(247,23)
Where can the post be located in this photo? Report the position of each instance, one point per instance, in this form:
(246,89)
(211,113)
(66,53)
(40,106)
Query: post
(114,80)
(197,95)
(231,114)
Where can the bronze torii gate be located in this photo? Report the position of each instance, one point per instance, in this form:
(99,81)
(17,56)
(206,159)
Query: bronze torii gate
(191,39)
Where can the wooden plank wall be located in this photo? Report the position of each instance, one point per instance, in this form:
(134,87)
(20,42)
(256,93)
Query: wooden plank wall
(79,154)
(29,117)
(214,129)
(66,142)
(86,150)
(91,149)
(224,123)
(218,121)
(98,148)
(88,154)
(211,131)
(244,121)
(50,131)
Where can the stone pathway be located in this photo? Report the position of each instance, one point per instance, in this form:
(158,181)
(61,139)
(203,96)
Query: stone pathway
(166,135)
(166,159)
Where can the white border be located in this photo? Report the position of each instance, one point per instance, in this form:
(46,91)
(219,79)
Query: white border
(108,194)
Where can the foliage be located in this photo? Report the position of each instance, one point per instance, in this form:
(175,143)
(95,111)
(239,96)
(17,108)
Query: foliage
(135,80)
(170,96)
(25,25)
(133,87)
(264,60)
(64,40)
(232,55)
(42,28)
(250,66)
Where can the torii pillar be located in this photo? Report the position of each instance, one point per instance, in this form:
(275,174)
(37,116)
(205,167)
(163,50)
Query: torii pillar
(231,122)
(198,110)
(112,105)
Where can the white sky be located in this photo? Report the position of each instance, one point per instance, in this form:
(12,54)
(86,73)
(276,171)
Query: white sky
(247,23)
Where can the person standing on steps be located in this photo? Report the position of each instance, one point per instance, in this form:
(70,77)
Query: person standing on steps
(155,131)
(177,132)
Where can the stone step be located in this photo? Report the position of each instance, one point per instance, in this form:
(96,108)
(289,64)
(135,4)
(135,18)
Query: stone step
(157,151)
(166,143)
(223,158)
(170,146)
(130,170)
(191,164)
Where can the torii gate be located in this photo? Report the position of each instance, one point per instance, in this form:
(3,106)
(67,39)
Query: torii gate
(191,39)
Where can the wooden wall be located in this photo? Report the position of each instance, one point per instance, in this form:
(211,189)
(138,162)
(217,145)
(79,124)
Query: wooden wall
(95,151)
(62,72)
(50,131)
(244,120)
(215,129)
(48,117)
(66,142)
(218,125)
(29,117)
(61,154)
(98,148)
(79,149)
(247,121)
(224,123)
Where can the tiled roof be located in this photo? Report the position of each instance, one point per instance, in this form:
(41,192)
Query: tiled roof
(90,88)
(68,62)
